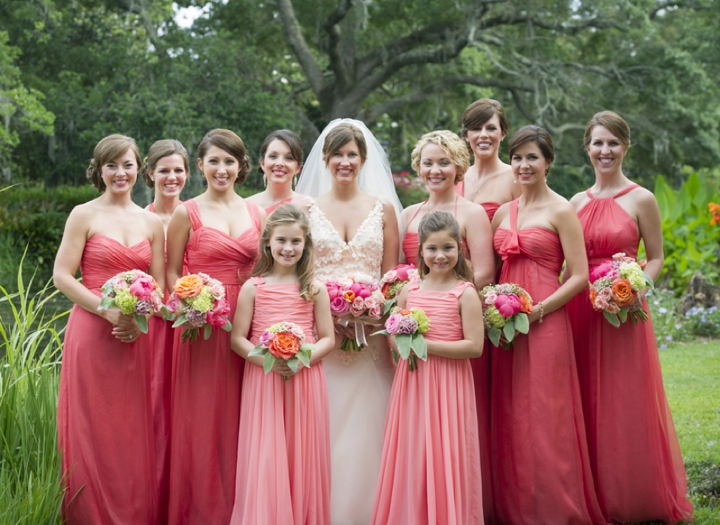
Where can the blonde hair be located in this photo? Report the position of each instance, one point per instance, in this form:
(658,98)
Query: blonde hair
(614,123)
(440,221)
(159,150)
(287,214)
(453,145)
(107,150)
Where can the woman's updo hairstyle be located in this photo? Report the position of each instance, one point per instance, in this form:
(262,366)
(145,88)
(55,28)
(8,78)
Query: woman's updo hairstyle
(479,112)
(228,141)
(161,149)
(454,146)
(288,137)
(107,150)
(341,135)
(614,123)
(536,135)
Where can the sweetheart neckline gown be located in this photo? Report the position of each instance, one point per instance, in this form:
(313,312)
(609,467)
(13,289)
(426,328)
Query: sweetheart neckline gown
(634,450)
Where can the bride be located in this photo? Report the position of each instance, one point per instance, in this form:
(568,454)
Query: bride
(355,230)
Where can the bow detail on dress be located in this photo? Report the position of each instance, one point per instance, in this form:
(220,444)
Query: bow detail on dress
(510,245)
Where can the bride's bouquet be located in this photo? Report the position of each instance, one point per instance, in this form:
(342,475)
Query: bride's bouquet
(135,293)
(284,341)
(393,282)
(505,312)
(199,300)
(358,300)
(614,289)
(408,326)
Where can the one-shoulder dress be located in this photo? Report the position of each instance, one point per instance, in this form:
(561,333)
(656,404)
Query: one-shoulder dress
(430,471)
(105,432)
(358,383)
(634,451)
(283,465)
(207,384)
(541,468)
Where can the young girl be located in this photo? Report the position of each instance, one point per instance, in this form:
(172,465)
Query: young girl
(430,470)
(283,460)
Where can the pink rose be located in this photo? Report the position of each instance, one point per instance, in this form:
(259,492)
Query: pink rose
(378,296)
(600,271)
(120,284)
(358,307)
(334,289)
(390,277)
(297,332)
(376,312)
(142,288)
(339,306)
(507,305)
(217,290)
(612,308)
(374,285)
(174,305)
(490,298)
(392,324)
(600,302)
(218,316)
(606,294)
(266,337)
(361,290)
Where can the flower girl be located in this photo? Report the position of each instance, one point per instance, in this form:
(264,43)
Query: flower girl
(283,461)
(430,470)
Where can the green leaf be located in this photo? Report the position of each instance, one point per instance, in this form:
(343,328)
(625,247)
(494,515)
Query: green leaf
(268,362)
(180,320)
(142,323)
(522,324)
(622,314)
(380,332)
(293,363)
(395,357)
(304,354)
(403,342)
(509,331)
(419,346)
(207,331)
(494,335)
(612,319)
(257,351)
(228,326)
(106,303)
(388,305)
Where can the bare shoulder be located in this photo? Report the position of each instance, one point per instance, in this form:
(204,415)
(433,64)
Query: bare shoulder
(561,209)
(579,200)
(501,213)
(471,209)
(643,196)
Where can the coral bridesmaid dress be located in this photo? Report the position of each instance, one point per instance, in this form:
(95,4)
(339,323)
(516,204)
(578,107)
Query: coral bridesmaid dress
(207,384)
(105,430)
(634,451)
(275,206)
(283,465)
(541,469)
(430,470)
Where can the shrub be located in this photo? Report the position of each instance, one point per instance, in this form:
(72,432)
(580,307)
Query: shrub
(410,190)
(671,326)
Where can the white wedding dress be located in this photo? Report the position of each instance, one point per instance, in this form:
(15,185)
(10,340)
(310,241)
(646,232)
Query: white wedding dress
(358,383)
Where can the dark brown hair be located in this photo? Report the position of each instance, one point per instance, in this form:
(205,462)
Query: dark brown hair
(159,150)
(614,123)
(107,150)
(439,221)
(536,135)
(227,141)
(479,112)
(341,135)
(288,137)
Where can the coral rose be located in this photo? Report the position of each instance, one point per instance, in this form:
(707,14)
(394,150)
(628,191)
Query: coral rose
(623,293)
(284,345)
(188,286)
(593,298)
(526,305)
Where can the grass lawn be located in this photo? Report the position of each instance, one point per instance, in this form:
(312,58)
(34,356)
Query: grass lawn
(691,374)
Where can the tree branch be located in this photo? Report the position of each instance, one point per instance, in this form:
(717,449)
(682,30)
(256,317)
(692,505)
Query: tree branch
(337,64)
(596,22)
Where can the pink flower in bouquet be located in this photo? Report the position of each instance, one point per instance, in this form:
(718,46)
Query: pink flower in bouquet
(376,312)
(378,296)
(600,271)
(334,289)
(174,305)
(297,332)
(491,297)
(361,290)
(358,307)
(142,288)
(507,305)
(606,294)
(600,302)
(392,324)
(339,306)
(612,308)
(374,285)
(119,284)
(156,302)
(266,337)
(217,290)
(370,302)
(218,316)
(402,271)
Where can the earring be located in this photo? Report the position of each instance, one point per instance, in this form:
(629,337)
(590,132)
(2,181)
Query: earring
(514,181)
(294,181)
(264,180)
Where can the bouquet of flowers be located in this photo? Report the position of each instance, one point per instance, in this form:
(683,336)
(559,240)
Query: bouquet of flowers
(283,341)
(394,280)
(357,299)
(505,312)
(135,293)
(614,288)
(199,300)
(408,326)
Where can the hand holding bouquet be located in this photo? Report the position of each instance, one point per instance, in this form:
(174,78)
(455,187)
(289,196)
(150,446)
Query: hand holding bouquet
(394,280)
(408,326)
(199,300)
(353,299)
(135,293)
(614,289)
(284,341)
(505,312)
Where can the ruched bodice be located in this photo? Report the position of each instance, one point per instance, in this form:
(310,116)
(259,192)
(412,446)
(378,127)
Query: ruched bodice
(445,320)
(280,302)
(104,257)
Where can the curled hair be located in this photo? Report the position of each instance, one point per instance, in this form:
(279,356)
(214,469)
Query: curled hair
(537,136)
(614,123)
(159,150)
(107,150)
(479,112)
(227,141)
(287,214)
(288,137)
(453,145)
(441,221)
(341,135)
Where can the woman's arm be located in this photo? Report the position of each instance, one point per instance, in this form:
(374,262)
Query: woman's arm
(157,265)
(473,330)
(178,234)
(391,239)
(479,237)
(650,226)
(323,324)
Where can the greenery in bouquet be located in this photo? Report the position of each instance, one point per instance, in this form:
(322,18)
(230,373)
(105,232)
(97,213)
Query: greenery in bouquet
(505,312)
(408,327)
(136,293)
(199,301)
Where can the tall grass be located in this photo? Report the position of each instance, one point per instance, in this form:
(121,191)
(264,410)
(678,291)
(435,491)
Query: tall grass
(30,350)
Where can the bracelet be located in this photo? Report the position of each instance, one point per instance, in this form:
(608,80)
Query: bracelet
(542,310)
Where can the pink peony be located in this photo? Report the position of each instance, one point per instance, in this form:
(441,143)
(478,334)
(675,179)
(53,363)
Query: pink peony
(403,271)
(392,324)
(218,316)
(358,307)
(600,271)
(334,289)
(361,290)
(142,288)
(339,306)
(507,305)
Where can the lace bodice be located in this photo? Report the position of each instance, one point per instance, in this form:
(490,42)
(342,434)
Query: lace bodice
(336,259)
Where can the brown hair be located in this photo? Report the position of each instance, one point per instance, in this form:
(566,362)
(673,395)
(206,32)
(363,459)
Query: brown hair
(107,150)
(227,141)
(439,221)
(159,150)
(453,145)
(288,137)
(341,135)
(479,112)
(289,214)
(536,135)
(614,123)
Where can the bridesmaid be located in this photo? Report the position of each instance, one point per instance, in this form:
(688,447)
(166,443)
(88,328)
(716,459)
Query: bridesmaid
(218,232)
(634,451)
(105,432)
(440,159)
(281,158)
(541,469)
(165,169)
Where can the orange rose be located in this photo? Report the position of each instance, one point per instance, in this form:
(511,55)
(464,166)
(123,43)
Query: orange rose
(349,296)
(593,296)
(188,286)
(623,293)
(404,312)
(284,345)
(526,305)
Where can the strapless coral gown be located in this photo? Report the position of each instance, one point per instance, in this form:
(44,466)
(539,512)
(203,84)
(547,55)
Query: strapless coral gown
(207,385)
(541,468)
(634,451)
(430,470)
(105,432)
(283,466)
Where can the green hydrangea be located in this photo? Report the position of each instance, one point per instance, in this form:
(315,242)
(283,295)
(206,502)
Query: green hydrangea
(395,288)
(126,302)
(494,318)
(634,274)
(422,320)
(203,302)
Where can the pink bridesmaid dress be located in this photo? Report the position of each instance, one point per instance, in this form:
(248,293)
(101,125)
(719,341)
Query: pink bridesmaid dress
(430,470)
(283,458)
(105,432)
(207,384)
(275,206)
(541,468)
(634,451)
